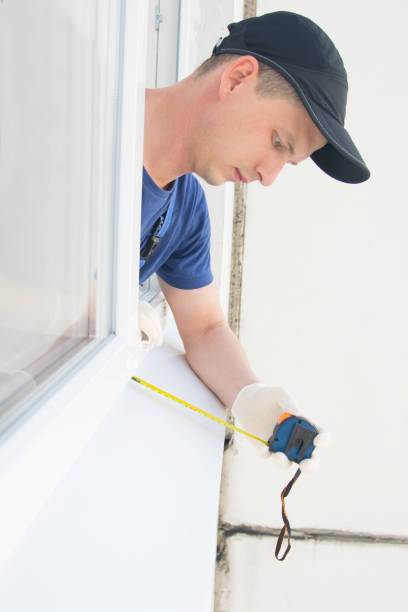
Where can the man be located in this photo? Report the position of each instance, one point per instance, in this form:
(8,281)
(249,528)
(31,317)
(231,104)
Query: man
(274,92)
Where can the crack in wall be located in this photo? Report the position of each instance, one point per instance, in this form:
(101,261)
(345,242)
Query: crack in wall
(226,530)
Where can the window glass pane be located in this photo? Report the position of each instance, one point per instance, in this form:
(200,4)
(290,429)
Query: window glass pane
(58,101)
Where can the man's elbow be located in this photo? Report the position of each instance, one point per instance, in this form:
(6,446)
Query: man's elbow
(204,336)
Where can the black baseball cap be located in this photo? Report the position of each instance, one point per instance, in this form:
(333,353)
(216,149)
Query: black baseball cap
(305,56)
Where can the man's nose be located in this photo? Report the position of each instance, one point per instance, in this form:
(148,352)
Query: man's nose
(269,170)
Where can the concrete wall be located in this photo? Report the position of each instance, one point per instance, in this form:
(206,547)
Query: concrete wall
(324,314)
(316,576)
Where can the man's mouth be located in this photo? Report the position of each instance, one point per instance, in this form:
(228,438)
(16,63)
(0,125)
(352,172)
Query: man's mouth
(238,177)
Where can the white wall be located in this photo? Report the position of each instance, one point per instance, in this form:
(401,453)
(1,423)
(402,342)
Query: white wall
(324,314)
(316,576)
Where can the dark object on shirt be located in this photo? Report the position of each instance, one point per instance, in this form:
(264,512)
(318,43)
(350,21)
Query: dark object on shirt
(182,256)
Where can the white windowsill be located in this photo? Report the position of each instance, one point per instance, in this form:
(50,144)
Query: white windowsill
(114,483)
(37,456)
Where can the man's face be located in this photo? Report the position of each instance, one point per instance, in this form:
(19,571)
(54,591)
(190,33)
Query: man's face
(247,137)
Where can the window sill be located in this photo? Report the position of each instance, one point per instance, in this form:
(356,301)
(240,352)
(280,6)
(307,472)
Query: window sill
(38,455)
(108,479)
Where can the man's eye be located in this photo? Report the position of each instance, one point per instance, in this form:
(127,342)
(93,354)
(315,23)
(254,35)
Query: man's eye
(277,142)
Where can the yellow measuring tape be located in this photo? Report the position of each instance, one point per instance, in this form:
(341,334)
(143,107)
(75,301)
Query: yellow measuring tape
(286,530)
(202,412)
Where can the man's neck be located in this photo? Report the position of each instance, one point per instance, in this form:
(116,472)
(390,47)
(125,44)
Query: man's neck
(168,126)
(173,121)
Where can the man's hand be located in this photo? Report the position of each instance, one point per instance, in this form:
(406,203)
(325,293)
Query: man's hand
(257,409)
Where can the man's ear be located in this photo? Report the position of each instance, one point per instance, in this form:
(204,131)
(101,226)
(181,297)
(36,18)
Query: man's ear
(242,70)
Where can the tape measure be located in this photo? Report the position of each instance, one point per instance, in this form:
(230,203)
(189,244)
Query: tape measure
(292,436)
(199,410)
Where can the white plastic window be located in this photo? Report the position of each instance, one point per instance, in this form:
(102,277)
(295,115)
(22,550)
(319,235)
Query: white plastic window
(161,71)
(58,100)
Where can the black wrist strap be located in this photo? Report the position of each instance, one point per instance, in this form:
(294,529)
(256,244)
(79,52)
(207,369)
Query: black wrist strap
(286,527)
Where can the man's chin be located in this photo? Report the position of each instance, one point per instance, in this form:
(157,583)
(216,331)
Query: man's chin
(216,183)
(213,178)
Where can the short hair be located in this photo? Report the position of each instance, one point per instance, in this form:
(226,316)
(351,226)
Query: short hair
(270,82)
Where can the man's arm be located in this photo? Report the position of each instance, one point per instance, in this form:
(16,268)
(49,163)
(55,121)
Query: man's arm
(212,349)
(216,355)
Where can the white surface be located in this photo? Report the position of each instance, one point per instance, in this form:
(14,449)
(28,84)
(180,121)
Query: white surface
(130,171)
(316,576)
(133,525)
(325,295)
(60,429)
(162,50)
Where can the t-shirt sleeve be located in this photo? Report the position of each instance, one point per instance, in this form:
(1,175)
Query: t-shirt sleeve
(189,266)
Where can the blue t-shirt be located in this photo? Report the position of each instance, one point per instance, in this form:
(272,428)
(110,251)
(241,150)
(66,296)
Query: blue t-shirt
(182,257)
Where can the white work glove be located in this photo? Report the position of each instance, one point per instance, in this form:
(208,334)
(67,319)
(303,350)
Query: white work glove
(257,408)
(151,324)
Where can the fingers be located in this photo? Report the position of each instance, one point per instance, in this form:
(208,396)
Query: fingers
(309,466)
(280,460)
(285,401)
(322,440)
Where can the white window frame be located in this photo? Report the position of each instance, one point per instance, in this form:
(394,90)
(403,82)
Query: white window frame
(162,63)
(43,448)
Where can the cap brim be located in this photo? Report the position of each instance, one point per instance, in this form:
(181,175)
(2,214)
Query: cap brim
(339,158)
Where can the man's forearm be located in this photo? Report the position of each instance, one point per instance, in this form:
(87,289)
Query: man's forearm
(218,358)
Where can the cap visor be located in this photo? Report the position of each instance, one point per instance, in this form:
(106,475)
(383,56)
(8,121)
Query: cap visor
(339,158)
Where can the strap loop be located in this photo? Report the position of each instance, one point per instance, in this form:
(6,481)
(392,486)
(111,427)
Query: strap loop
(286,527)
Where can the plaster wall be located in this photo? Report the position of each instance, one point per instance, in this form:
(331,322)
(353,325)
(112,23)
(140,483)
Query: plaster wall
(317,576)
(324,315)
